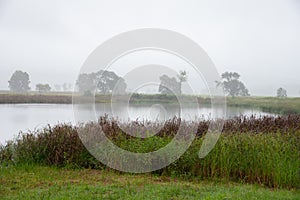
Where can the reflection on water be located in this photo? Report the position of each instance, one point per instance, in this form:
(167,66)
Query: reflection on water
(23,117)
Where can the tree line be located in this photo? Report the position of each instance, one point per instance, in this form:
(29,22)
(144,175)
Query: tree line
(19,83)
(106,82)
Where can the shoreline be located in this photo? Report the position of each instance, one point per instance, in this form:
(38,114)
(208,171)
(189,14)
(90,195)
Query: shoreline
(289,105)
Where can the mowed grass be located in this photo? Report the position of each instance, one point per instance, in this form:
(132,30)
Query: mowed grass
(40,182)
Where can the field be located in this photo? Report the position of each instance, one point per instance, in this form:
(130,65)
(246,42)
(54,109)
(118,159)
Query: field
(41,182)
(57,98)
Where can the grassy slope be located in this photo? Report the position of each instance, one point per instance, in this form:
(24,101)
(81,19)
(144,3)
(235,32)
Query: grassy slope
(37,182)
(268,104)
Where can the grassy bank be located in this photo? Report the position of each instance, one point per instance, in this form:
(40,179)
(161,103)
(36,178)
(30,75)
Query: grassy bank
(267,104)
(41,182)
(52,98)
(264,151)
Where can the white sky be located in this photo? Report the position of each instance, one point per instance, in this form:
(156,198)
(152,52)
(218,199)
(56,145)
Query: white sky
(260,39)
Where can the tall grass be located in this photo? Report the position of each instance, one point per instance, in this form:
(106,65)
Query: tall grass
(268,159)
(255,150)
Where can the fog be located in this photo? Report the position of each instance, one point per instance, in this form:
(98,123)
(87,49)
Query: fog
(50,40)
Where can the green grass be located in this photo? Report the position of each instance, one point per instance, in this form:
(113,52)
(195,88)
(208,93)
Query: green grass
(40,182)
(268,104)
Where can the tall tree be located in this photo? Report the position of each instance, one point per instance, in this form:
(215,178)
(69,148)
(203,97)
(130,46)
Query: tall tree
(19,82)
(182,77)
(120,86)
(281,93)
(103,82)
(232,85)
(107,80)
(169,85)
(86,82)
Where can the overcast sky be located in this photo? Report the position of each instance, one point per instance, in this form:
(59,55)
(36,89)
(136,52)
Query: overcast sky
(260,39)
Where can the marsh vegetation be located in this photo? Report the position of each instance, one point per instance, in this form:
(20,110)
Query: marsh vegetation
(263,150)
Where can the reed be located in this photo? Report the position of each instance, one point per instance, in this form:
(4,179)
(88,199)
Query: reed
(264,150)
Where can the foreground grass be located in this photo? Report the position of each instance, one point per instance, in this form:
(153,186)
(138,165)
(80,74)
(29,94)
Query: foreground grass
(38,182)
(263,151)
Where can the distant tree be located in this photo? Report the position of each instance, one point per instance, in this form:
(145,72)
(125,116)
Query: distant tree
(107,80)
(232,85)
(169,85)
(43,88)
(281,93)
(86,82)
(19,82)
(103,82)
(182,77)
(120,87)
(67,87)
(57,87)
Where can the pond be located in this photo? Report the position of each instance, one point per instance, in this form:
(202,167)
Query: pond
(23,117)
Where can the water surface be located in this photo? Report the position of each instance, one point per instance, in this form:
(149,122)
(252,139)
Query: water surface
(24,117)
